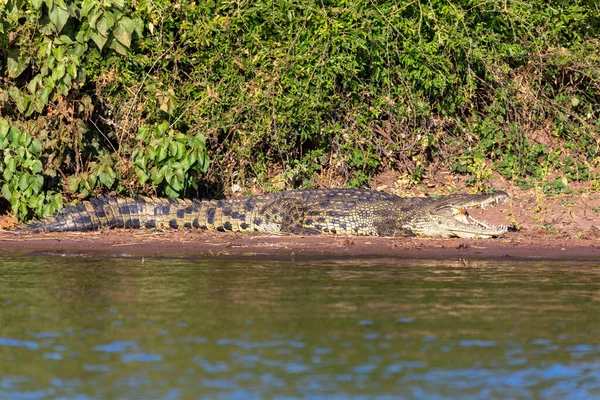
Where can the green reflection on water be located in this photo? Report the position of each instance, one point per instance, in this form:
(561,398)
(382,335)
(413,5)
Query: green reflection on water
(160,328)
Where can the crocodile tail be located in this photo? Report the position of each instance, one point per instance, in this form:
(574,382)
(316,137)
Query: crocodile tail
(119,212)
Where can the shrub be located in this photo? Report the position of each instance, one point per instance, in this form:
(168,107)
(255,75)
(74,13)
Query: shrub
(299,93)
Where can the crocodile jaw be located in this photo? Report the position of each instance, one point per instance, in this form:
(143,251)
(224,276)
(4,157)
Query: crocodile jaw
(469,227)
(448,217)
(474,228)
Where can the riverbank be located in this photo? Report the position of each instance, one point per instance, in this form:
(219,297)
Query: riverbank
(565,227)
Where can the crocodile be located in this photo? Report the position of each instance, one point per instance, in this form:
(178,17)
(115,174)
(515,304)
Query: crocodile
(318,211)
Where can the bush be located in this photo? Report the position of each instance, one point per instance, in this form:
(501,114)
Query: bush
(299,93)
(22,177)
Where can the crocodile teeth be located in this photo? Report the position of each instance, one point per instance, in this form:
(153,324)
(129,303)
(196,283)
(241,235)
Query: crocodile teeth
(473,221)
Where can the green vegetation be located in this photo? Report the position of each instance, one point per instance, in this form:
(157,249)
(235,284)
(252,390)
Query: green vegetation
(135,97)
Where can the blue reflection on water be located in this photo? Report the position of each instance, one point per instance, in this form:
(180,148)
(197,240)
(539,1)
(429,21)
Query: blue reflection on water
(256,345)
(96,368)
(43,335)
(578,380)
(117,347)
(525,378)
(324,363)
(477,343)
(53,356)
(141,357)
(19,343)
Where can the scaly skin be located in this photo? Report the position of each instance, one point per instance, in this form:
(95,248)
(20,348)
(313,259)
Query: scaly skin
(329,211)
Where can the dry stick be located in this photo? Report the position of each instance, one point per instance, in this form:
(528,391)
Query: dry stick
(105,137)
(144,80)
(195,103)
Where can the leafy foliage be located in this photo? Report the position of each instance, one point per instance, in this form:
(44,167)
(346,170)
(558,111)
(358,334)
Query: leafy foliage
(23,181)
(297,93)
(169,159)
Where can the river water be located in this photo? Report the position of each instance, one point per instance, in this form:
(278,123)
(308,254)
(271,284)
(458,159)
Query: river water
(77,327)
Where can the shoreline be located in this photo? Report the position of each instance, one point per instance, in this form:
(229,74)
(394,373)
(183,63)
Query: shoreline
(563,227)
(195,243)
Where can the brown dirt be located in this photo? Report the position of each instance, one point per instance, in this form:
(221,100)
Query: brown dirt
(560,227)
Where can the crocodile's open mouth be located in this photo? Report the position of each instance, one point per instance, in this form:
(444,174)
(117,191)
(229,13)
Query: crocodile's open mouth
(462,215)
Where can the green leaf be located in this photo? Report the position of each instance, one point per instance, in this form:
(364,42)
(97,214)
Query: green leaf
(35,146)
(58,72)
(123,31)
(36,203)
(170,192)
(173,149)
(118,3)
(59,17)
(186,164)
(102,26)
(161,153)
(86,6)
(21,100)
(73,183)
(142,175)
(56,202)
(151,153)
(17,207)
(36,167)
(140,161)
(168,175)
(41,99)
(60,3)
(93,17)
(15,136)
(92,180)
(36,4)
(24,181)
(107,179)
(98,39)
(10,165)
(157,176)
(205,163)
(32,202)
(14,64)
(34,83)
(201,138)
(191,158)
(176,184)
(138,26)
(6,192)
(109,19)
(8,175)
(72,70)
(180,150)
(142,133)
(36,183)
(64,39)
(161,128)
(4,127)
(118,47)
